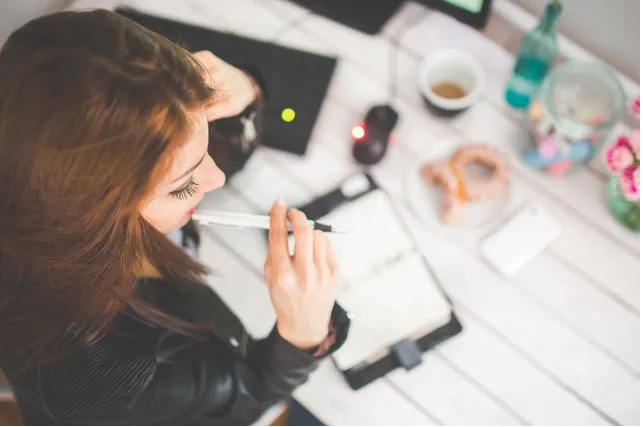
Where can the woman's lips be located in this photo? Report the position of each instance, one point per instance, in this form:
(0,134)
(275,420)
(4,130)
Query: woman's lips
(191,211)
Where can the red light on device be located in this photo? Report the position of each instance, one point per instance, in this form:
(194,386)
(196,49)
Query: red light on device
(358,132)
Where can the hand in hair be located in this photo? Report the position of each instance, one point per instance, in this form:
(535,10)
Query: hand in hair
(235,89)
(302,286)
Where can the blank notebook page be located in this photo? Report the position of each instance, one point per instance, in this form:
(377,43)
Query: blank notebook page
(386,284)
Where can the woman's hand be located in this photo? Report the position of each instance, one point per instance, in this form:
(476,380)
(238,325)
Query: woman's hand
(235,89)
(303,286)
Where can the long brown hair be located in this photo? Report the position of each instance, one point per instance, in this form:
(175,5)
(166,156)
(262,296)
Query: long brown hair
(92,108)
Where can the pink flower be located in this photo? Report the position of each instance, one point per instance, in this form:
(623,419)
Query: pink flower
(630,183)
(619,155)
(635,142)
(635,107)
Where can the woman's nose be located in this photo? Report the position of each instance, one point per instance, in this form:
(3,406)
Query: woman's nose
(212,177)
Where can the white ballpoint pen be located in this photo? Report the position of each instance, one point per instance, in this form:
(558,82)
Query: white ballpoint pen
(242,220)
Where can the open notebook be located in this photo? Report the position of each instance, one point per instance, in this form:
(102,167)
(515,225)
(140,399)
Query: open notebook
(387,286)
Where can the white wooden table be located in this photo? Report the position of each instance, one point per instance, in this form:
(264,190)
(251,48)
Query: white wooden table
(557,344)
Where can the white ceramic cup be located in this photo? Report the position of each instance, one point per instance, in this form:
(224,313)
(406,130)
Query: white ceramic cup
(450,66)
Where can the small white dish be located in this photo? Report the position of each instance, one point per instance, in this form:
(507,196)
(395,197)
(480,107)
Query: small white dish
(426,201)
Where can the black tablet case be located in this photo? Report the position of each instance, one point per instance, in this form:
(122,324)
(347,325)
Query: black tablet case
(367,16)
(294,79)
(364,374)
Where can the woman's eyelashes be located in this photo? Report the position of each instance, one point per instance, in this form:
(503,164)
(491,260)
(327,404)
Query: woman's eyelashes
(188,190)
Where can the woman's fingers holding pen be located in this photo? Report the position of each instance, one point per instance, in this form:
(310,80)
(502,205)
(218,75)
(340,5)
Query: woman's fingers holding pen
(302,287)
(278,260)
(278,233)
(320,255)
(331,258)
(303,256)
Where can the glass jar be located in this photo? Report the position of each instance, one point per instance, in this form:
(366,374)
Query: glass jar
(625,211)
(575,110)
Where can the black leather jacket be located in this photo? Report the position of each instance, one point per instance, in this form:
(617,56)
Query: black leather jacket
(142,374)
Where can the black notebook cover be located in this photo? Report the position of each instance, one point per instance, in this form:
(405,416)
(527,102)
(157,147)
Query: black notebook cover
(294,79)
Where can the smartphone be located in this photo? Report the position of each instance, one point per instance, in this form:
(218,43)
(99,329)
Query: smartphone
(526,234)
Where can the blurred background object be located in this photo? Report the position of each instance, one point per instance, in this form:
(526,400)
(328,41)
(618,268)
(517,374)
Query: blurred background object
(608,29)
(14,13)
(537,52)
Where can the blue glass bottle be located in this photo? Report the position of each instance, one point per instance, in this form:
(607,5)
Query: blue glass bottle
(535,56)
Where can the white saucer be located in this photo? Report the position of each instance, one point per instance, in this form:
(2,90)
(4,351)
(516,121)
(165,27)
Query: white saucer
(427,203)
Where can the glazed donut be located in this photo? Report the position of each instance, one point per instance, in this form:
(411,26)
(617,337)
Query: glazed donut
(481,189)
(459,187)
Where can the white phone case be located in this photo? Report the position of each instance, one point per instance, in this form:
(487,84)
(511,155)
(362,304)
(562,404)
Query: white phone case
(525,235)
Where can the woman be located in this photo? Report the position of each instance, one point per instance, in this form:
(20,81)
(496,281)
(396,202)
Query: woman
(103,150)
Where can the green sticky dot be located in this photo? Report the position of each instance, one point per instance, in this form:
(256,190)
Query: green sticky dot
(288,115)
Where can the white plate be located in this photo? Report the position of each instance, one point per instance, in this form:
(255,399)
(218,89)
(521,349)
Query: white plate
(427,202)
